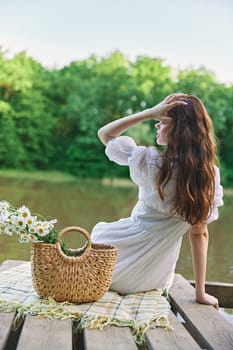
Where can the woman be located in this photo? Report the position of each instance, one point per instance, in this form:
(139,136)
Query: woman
(178,191)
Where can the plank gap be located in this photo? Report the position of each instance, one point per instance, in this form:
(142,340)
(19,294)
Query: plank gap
(13,337)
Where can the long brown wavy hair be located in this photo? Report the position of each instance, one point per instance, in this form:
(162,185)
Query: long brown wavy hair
(191,151)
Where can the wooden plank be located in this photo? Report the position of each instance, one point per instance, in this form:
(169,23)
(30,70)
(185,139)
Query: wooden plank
(46,334)
(41,334)
(6,320)
(222,291)
(208,327)
(114,338)
(163,339)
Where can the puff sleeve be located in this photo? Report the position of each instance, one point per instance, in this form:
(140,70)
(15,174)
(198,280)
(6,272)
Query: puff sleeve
(120,149)
(124,151)
(218,198)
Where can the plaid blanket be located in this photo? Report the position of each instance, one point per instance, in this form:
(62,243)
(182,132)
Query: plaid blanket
(138,311)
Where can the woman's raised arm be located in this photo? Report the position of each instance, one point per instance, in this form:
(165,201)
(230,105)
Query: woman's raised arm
(158,112)
(117,127)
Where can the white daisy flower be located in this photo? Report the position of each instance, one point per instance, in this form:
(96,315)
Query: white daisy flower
(41,228)
(32,229)
(19,222)
(8,231)
(28,238)
(23,223)
(30,221)
(33,238)
(23,238)
(52,222)
(24,212)
(4,218)
(4,205)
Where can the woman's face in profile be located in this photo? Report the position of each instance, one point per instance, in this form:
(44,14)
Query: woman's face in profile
(162,131)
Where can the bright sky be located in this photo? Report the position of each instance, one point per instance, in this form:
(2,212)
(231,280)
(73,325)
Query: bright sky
(183,32)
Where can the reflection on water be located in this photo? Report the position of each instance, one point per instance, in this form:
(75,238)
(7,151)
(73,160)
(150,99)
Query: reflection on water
(86,202)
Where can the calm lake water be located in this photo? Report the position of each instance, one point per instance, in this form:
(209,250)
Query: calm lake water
(85,202)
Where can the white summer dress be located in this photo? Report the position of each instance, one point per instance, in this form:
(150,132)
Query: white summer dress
(148,241)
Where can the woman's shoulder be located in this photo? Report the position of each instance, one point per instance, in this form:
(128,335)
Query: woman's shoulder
(125,147)
(153,155)
(123,140)
(146,154)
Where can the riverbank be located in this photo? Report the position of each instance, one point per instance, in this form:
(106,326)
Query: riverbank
(36,175)
(60,177)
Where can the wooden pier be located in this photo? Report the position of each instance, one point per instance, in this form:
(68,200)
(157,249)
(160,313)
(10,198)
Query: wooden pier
(195,326)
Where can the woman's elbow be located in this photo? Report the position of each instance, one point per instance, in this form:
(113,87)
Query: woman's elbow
(102,136)
(199,229)
(198,233)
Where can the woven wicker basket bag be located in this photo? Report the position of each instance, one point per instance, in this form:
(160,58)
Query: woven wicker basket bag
(85,277)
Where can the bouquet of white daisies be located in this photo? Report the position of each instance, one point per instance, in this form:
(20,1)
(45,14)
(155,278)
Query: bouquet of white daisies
(29,227)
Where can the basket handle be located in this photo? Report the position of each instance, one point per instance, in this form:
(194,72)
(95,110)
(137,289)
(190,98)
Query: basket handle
(74,228)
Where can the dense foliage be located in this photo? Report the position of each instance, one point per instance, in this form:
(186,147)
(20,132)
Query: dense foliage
(49,118)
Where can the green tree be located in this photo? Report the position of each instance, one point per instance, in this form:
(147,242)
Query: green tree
(49,118)
(25,117)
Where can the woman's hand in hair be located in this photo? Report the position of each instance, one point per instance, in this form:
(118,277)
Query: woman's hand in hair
(159,111)
(208,300)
